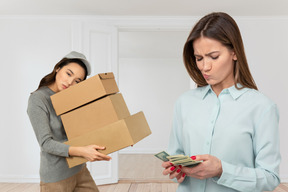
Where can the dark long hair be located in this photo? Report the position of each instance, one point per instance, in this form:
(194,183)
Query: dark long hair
(50,78)
(221,27)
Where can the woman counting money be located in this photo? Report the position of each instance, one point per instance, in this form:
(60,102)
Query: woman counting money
(55,175)
(225,122)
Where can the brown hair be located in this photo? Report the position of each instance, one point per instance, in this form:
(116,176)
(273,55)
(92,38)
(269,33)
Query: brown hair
(50,78)
(221,27)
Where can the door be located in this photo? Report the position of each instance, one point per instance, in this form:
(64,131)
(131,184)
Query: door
(99,43)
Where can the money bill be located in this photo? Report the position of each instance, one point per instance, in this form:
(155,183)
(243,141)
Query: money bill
(162,155)
(177,159)
(186,162)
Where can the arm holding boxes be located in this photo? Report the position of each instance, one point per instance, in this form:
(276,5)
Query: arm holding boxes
(89,152)
(46,124)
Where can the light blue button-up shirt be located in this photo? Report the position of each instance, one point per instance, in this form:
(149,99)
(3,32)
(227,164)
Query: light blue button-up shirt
(240,127)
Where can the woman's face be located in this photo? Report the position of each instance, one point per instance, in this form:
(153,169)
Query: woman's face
(216,63)
(67,76)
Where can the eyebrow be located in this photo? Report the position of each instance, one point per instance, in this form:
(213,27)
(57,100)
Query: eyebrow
(73,74)
(71,71)
(207,53)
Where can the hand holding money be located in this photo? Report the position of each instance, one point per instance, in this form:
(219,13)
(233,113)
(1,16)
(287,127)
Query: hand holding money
(177,159)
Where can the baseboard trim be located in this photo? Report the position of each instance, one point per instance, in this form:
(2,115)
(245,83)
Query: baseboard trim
(142,151)
(129,180)
(19,179)
(284,178)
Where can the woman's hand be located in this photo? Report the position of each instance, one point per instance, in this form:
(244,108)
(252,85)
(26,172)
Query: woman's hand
(173,171)
(89,152)
(210,167)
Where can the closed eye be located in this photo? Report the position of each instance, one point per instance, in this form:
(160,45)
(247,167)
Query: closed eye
(199,58)
(78,80)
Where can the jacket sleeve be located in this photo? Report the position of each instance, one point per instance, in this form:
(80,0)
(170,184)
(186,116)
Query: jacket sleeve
(39,117)
(264,176)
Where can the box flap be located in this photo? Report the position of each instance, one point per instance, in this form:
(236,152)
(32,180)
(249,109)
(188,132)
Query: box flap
(106,75)
(78,95)
(138,127)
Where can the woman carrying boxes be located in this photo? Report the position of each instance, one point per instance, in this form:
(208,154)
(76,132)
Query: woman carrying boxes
(55,175)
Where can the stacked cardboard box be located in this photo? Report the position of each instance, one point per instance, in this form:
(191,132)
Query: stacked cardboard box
(93,112)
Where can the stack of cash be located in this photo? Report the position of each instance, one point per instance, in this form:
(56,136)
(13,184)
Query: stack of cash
(177,159)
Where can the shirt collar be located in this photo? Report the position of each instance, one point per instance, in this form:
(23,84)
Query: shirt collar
(205,91)
(234,92)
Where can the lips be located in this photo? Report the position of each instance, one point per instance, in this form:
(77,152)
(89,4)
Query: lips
(64,87)
(206,76)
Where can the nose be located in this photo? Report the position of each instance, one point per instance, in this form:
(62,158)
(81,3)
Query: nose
(70,81)
(206,65)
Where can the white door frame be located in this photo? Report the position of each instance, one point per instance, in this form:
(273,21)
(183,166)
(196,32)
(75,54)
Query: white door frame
(99,43)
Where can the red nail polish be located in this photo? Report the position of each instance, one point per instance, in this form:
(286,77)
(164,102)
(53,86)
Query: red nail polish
(171,164)
(178,171)
(172,168)
(180,166)
(193,157)
(183,175)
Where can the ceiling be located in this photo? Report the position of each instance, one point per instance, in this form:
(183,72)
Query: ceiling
(144,7)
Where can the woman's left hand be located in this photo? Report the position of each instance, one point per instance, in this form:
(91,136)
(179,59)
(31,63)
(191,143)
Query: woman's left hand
(173,171)
(210,167)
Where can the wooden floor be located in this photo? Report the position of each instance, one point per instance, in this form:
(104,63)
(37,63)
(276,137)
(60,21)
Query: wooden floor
(137,173)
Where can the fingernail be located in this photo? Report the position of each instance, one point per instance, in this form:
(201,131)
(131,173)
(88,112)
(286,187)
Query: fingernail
(171,164)
(172,168)
(193,157)
(178,171)
(180,166)
(183,175)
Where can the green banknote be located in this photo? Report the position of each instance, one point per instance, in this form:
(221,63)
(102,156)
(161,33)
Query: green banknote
(162,155)
(177,159)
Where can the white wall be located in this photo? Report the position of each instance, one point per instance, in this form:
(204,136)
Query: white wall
(30,47)
(151,78)
(29,50)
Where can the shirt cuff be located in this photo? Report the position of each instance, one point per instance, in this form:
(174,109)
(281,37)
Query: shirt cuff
(236,177)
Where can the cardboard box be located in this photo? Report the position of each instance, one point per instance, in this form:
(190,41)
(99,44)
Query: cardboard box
(114,136)
(89,90)
(92,113)
(95,115)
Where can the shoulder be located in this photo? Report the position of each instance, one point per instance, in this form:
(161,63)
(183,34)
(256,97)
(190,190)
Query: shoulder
(258,97)
(257,101)
(192,96)
(197,93)
(39,97)
(39,94)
